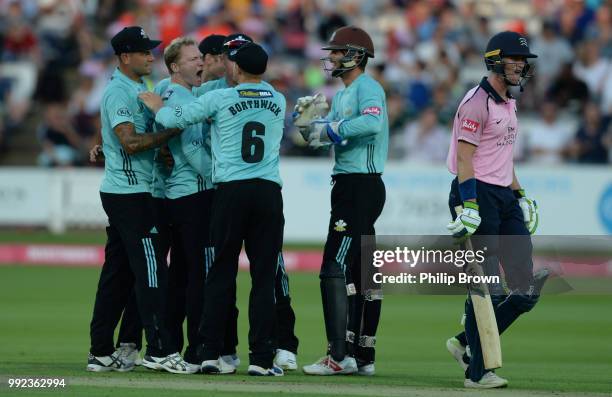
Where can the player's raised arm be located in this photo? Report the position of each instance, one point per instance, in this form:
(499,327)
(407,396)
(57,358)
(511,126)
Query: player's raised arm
(184,115)
(122,120)
(134,143)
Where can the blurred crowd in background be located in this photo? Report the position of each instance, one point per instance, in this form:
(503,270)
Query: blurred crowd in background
(55,60)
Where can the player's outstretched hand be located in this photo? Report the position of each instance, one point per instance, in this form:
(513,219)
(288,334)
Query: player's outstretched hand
(151,100)
(467,221)
(96,154)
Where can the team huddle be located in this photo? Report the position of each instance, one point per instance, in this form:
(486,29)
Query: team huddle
(192,172)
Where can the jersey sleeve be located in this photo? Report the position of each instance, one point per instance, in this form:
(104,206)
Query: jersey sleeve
(370,120)
(470,121)
(182,116)
(120,108)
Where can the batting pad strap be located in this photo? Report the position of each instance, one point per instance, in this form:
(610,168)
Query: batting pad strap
(373,295)
(367,341)
(467,189)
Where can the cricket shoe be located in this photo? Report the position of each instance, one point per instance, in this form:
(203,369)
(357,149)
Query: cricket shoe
(285,360)
(217,367)
(489,381)
(366,369)
(458,352)
(256,370)
(328,366)
(231,359)
(129,353)
(194,367)
(172,363)
(114,362)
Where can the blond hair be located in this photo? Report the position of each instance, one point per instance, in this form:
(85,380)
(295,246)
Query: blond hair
(172,52)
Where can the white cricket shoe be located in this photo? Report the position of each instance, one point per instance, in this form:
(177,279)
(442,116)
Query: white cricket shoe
(456,350)
(231,359)
(256,370)
(366,370)
(108,363)
(489,381)
(217,367)
(129,353)
(194,367)
(328,366)
(173,363)
(285,360)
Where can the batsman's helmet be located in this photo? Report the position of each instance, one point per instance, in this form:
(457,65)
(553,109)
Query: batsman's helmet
(357,44)
(507,44)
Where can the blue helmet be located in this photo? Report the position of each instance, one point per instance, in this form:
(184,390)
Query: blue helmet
(507,44)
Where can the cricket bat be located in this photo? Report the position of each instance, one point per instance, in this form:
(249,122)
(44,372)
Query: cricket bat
(483,310)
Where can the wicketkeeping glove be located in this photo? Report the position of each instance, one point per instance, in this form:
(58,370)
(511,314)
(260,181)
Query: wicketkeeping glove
(530,210)
(467,221)
(307,109)
(325,133)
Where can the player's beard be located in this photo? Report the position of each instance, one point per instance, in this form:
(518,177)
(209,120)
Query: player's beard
(144,70)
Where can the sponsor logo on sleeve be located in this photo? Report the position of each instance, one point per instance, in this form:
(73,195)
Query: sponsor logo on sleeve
(470,125)
(124,112)
(375,110)
(178,111)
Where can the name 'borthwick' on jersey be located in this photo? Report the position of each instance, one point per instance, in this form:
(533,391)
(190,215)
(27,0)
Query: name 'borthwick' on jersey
(125,173)
(247,128)
(363,107)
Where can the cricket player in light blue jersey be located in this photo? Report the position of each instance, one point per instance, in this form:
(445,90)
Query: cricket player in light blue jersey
(133,259)
(189,192)
(358,130)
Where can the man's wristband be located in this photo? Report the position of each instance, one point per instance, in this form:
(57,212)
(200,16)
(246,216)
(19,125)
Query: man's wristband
(519,193)
(467,189)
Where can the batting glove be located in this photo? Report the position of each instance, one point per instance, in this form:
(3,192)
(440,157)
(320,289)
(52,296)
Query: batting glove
(325,133)
(530,210)
(467,221)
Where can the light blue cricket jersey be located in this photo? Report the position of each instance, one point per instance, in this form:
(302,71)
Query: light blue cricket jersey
(363,106)
(247,128)
(160,173)
(125,173)
(192,171)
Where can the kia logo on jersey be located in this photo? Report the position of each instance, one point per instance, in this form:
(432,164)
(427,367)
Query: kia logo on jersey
(469,125)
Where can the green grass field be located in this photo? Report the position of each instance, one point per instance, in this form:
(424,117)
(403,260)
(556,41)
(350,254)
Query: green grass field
(563,346)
